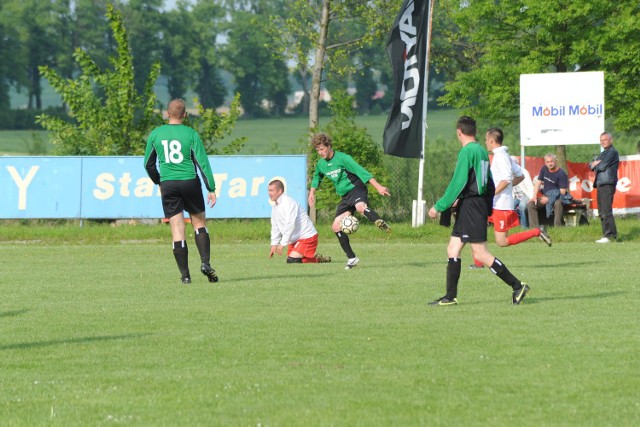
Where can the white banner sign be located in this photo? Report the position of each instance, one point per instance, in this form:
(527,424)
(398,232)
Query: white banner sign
(561,108)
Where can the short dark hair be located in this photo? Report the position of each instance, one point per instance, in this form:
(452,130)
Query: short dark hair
(496,134)
(278,184)
(467,126)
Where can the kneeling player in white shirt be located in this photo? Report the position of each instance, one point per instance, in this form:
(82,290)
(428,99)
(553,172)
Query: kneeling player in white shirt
(292,227)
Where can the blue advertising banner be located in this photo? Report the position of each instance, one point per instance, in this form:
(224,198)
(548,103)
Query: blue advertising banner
(118,187)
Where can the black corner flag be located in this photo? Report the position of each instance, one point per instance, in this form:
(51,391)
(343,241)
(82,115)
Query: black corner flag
(407,51)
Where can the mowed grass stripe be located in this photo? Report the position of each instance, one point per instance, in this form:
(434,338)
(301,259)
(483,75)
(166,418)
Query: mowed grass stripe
(99,334)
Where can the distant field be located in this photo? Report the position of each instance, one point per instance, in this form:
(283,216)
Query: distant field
(283,136)
(264,136)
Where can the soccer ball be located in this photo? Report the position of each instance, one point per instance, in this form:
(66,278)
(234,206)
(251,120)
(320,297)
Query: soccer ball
(349,224)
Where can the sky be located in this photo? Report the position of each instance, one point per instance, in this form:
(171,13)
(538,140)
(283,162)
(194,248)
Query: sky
(169,4)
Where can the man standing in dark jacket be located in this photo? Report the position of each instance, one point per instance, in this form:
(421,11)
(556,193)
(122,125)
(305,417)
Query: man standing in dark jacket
(606,168)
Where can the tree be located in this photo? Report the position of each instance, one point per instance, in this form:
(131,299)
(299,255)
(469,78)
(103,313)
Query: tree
(115,123)
(213,127)
(39,37)
(499,41)
(144,19)
(9,48)
(258,74)
(334,30)
(177,49)
(209,85)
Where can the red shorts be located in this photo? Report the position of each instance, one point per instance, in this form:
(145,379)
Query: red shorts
(306,247)
(504,220)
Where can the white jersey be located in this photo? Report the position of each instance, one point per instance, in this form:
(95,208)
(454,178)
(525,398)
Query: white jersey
(289,222)
(524,190)
(503,168)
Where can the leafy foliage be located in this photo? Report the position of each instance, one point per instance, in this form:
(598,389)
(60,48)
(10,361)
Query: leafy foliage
(213,127)
(112,117)
(498,41)
(258,75)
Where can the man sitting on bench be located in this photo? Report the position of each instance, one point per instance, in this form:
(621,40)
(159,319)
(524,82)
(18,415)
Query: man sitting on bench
(555,183)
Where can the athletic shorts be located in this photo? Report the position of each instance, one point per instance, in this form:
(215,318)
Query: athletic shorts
(306,247)
(471,221)
(349,200)
(504,220)
(178,196)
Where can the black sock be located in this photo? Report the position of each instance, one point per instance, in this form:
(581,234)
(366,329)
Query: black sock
(203,243)
(181,254)
(345,245)
(371,215)
(501,270)
(291,260)
(453,276)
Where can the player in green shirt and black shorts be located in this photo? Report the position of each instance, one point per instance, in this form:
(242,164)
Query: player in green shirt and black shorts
(471,190)
(179,152)
(350,180)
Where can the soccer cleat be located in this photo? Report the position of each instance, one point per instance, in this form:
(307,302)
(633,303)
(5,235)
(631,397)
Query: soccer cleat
(475,267)
(544,236)
(382,225)
(444,301)
(603,240)
(322,259)
(186,280)
(209,272)
(352,262)
(519,295)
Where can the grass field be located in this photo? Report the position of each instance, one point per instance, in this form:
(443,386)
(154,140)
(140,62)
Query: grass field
(264,136)
(97,330)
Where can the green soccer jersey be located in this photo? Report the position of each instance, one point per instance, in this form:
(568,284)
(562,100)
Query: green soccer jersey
(470,178)
(345,173)
(179,151)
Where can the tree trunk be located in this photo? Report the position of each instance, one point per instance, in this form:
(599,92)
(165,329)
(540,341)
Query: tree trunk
(316,80)
(318,66)
(561,154)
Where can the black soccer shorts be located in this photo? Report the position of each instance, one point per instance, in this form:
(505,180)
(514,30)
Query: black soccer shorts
(471,221)
(182,195)
(349,200)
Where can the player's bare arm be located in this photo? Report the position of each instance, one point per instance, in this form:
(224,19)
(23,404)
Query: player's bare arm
(517,180)
(312,197)
(382,190)
(211,197)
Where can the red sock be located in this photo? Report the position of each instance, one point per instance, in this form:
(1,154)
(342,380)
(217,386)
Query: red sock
(516,238)
(306,260)
(478,263)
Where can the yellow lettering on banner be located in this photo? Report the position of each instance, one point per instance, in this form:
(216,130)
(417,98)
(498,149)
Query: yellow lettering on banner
(255,186)
(219,179)
(105,188)
(144,188)
(22,184)
(124,184)
(238,188)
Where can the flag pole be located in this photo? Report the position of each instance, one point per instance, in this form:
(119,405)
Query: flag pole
(419,205)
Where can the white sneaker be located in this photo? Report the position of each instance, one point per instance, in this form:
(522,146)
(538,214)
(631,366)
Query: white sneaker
(603,240)
(352,262)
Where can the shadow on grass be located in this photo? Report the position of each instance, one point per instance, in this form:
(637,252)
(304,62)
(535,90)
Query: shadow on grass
(13,313)
(632,234)
(533,299)
(550,265)
(37,344)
